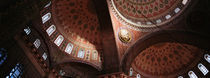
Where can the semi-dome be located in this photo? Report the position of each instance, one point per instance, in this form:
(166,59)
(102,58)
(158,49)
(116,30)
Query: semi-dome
(165,59)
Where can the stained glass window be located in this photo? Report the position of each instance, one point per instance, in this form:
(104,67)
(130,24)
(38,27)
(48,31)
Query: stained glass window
(16,71)
(3,55)
(81,53)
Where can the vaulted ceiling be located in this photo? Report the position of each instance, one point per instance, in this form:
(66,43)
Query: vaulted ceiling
(147,35)
(113,31)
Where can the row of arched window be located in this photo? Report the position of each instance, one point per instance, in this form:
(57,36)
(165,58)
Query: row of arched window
(176,10)
(160,20)
(58,41)
(201,67)
(36,43)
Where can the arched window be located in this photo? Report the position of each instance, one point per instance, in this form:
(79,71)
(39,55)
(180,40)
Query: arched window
(148,23)
(3,56)
(203,69)
(59,40)
(177,10)
(27,30)
(81,53)
(95,55)
(16,72)
(37,43)
(158,21)
(44,56)
(131,72)
(168,16)
(180,77)
(51,29)
(138,76)
(184,2)
(192,74)
(47,5)
(207,57)
(69,48)
(46,17)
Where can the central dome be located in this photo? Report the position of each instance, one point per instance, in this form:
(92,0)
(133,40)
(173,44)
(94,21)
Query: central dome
(146,13)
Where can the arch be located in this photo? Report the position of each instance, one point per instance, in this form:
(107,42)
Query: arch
(50,30)
(69,60)
(187,37)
